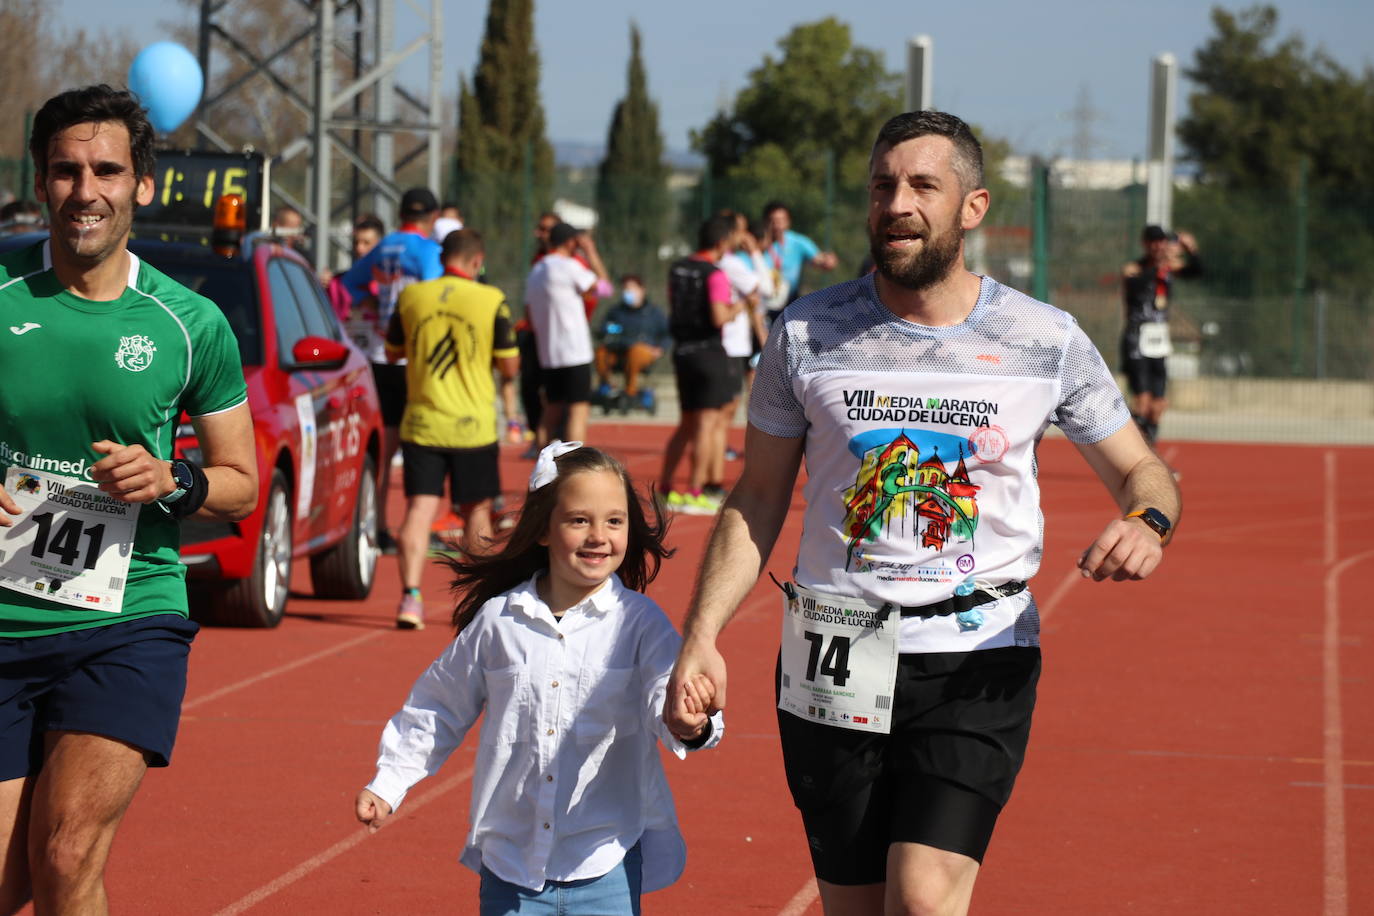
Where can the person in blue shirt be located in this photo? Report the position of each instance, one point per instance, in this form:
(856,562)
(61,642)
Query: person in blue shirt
(374,282)
(633,335)
(786,253)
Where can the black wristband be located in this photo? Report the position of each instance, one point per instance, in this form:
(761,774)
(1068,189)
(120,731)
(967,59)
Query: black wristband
(190,503)
(700,740)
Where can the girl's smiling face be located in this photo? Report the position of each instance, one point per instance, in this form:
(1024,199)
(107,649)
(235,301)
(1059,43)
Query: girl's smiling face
(586,538)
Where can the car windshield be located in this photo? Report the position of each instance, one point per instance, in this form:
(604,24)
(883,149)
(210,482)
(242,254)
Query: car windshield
(230,286)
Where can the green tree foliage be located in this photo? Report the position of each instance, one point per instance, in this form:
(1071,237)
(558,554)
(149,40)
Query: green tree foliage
(806,116)
(801,132)
(1283,140)
(1263,105)
(504,168)
(631,190)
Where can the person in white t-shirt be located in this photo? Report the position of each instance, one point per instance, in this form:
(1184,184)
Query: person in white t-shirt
(917,397)
(566,663)
(749,278)
(563,337)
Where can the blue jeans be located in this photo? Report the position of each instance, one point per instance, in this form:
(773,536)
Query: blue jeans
(615,893)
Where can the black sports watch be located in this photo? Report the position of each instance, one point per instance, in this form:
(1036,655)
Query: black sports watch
(184,479)
(1159,522)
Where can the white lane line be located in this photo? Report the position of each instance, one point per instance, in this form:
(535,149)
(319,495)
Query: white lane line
(1329,509)
(281,669)
(1335,887)
(1072,578)
(1335,892)
(801,901)
(314,862)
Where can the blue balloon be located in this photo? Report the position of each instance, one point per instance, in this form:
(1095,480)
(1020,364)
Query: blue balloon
(167,79)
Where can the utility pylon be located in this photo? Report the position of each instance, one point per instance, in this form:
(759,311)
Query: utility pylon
(339,108)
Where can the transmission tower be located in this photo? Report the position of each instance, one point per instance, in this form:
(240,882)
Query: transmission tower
(352,46)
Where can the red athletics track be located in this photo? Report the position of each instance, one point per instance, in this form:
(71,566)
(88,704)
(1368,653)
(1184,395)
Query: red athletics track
(1204,740)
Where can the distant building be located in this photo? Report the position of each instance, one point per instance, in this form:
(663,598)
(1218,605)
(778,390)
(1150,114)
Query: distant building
(1087,174)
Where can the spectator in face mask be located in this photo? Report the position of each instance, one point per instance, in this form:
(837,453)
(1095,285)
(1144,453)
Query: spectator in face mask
(632,336)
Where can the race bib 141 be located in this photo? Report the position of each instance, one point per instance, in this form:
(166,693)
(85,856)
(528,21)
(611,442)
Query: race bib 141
(71,544)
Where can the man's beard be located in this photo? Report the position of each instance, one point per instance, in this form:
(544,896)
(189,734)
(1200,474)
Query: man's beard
(919,271)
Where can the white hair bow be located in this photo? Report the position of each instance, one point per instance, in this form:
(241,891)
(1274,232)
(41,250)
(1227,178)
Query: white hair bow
(545,470)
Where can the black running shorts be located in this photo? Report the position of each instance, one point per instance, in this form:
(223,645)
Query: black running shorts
(568,384)
(1146,376)
(705,379)
(474,474)
(961,723)
(390,379)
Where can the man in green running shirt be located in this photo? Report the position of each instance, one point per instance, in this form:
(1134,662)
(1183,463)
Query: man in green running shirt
(100,353)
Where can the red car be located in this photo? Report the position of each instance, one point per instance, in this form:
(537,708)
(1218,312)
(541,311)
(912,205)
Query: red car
(317,425)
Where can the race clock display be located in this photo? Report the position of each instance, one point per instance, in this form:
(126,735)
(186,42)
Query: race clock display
(187,184)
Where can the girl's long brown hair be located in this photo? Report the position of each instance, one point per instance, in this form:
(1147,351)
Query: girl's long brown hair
(478,579)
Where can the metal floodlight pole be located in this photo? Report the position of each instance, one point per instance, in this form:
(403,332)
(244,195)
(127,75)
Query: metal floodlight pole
(436,96)
(331,112)
(384,143)
(324,90)
(1159,169)
(920,49)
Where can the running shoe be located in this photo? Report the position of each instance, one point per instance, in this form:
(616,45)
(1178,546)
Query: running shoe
(386,543)
(701,504)
(675,501)
(410,615)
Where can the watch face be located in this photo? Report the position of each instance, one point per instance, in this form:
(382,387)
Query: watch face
(1157,520)
(182,476)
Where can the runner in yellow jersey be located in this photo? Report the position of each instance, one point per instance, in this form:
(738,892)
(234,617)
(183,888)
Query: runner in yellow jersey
(451,332)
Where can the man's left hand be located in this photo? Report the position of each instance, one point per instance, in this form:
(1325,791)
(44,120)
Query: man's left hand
(1126,549)
(130,474)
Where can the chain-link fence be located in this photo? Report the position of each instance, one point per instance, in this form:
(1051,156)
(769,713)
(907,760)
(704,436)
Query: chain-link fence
(1273,342)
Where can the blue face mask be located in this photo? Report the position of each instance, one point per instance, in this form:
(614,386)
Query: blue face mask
(631,298)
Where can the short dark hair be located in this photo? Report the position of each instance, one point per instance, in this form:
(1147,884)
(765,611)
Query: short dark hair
(370,221)
(88,105)
(772,205)
(968,152)
(463,243)
(715,230)
(632,278)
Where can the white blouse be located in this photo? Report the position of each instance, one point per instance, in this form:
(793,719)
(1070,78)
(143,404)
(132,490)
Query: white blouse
(567,777)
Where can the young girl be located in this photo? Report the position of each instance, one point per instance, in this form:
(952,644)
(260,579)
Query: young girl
(570,805)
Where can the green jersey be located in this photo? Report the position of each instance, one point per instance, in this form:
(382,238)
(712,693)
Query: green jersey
(75,371)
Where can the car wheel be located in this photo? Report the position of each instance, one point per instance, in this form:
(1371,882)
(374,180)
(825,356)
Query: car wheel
(347,569)
(260,599)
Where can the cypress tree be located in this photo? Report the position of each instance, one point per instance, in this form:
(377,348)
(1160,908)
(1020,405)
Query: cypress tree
(631,191)
(504,162)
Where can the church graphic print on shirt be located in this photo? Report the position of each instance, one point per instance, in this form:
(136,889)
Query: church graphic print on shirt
(904,484)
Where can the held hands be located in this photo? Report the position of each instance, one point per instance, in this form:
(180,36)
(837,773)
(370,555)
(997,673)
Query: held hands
(371,810)
(1126,549)
(696,689)
(130,474)
(698,694)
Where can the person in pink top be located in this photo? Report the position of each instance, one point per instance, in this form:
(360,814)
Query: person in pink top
(699,305)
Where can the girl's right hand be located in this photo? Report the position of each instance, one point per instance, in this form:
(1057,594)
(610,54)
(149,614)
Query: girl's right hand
(371,810)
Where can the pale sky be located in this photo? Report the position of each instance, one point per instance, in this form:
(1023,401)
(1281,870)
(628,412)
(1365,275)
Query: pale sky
(1016,69)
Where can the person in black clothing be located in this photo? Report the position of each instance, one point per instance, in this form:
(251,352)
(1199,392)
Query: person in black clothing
(1147,285)
(633,335)
(699,305)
